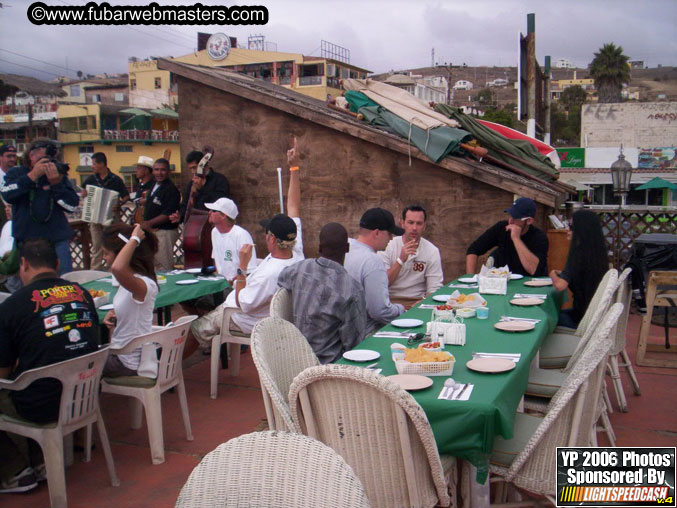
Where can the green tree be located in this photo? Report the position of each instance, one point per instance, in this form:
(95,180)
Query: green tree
(572,97)
(610,70)
(484,97)
(499,116)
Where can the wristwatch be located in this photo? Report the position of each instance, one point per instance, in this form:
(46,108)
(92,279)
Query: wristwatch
(241,272)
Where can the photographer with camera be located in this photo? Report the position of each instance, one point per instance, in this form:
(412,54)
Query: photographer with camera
(40,195)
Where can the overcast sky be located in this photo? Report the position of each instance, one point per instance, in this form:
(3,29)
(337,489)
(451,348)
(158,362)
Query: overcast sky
(380,34)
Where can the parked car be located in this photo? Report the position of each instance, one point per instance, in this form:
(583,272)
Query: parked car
(498,82)
(463,85)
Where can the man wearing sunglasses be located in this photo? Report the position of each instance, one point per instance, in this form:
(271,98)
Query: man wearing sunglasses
(519,244)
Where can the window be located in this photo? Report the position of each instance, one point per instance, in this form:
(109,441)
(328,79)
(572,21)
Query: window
(119,97)
(132,84)
(96,97)
(124,148)
(86,149)
(75,90)
(158,83)
(311,74)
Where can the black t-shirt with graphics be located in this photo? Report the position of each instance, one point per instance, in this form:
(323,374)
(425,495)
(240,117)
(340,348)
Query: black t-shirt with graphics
(48,321)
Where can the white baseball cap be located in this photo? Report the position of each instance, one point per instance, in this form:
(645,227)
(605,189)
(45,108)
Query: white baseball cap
(145,161)
(225,206)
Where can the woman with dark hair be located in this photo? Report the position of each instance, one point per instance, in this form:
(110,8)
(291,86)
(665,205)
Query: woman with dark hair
(129,251)
(586,265)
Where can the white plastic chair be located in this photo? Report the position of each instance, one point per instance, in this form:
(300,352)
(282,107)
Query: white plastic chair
(272,469)
(280,353)
(83,276)
(379,429)
(79,407)
(281,305)
(234,340)
(147,391)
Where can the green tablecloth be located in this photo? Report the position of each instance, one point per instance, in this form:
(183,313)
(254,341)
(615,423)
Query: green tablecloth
(466,429)
(170,292)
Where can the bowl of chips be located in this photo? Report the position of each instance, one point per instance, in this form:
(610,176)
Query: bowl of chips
(459,300)
(421,361)
(99,296)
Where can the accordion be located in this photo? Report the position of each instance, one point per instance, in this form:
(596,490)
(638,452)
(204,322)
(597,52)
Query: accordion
(99,205)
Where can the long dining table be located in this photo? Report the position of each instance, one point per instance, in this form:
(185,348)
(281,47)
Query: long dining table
(466,428)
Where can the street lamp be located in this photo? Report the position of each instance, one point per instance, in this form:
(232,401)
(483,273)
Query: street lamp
(621,172)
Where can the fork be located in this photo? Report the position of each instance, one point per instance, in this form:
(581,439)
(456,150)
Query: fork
(454,394)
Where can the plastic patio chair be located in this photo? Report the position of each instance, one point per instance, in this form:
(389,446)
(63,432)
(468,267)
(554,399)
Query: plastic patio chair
(281,306)
(83,276)
(234,340)
(526,460)
(272,469)
(379,429)
(280,353)
(79,407)
(147,391)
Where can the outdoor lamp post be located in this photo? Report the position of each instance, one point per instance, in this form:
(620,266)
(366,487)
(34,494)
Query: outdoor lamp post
(621,172)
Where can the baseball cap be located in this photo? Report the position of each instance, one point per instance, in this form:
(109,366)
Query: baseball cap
(522,208)
(282,226)
(225,206)
(145,161)
(380,218)
(7,148)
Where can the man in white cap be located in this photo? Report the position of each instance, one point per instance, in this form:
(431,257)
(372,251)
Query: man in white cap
(228,238)
(144,180)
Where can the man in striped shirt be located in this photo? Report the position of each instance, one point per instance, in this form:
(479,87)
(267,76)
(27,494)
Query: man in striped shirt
(329,307)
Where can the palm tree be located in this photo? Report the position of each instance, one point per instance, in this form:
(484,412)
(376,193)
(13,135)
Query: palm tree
(610,71)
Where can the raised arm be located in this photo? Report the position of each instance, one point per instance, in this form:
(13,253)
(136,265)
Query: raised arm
(294,192)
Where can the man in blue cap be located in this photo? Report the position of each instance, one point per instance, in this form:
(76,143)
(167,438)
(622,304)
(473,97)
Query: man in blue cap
(519,244)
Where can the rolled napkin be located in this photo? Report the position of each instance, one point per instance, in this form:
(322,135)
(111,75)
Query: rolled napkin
(515,357)
(529,295)
(510,318)
(466,286)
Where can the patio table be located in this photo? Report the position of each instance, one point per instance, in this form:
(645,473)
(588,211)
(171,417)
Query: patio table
(169,292)
(466,429)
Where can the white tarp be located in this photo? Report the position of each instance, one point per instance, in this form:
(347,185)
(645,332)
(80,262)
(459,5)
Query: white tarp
(605,157)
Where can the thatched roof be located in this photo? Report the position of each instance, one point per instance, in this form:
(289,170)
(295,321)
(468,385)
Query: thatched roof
(32,86)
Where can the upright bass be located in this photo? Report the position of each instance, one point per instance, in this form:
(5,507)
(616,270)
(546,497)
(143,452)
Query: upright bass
(197,231)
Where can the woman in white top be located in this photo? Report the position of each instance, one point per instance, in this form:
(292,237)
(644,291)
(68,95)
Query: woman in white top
(132,265)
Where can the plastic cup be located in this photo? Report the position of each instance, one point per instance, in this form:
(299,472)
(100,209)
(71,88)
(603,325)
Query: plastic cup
(482,312)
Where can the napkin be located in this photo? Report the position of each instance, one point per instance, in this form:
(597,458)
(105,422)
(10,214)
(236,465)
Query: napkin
(529,320)
(529,295)
(515,357)
(467,286)
(427,306)
(465,396)
(391,335)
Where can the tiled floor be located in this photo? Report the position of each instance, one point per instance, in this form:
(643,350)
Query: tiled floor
(652,421)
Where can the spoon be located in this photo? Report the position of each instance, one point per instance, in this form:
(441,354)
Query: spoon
(449,384)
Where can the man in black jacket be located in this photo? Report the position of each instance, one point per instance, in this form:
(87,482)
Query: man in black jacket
(163,201)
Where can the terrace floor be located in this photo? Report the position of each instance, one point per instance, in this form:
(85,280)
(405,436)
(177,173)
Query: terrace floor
(651,421)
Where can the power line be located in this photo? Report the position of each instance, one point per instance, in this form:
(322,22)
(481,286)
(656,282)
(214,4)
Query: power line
(28,67)
(36,60)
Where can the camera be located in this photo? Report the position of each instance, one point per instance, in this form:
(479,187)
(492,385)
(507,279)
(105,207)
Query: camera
(50,152)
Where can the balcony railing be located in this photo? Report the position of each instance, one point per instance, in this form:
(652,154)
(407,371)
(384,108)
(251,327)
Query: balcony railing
(22,109)
(141,135)
(310,80)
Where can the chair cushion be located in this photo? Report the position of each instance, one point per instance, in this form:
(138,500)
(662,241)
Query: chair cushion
(505,450)
(133,381)
(26,423)
(544,382)
(236,333)
(557,349)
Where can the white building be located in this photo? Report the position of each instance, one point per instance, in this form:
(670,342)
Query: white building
(564,63)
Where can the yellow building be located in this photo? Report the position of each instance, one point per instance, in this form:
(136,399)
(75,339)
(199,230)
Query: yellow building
(122,133)
(557,87)
(313,76)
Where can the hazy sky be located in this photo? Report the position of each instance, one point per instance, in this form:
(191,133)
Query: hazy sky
(380,34)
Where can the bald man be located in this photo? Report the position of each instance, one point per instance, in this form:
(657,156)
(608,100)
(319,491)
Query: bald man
(329,306)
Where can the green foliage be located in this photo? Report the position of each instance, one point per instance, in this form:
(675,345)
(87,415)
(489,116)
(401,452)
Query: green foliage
(565,126)
(610,71)
(502,116)
(484,97)
(572,97)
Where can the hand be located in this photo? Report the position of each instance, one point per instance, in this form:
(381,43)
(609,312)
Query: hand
(138,231)
(292,154)
(198,183)
(8,211)
(515,231)
(408,249)
(83,193)
(110,320)
(53,175)
(174,217)
(38,169)
(245,255)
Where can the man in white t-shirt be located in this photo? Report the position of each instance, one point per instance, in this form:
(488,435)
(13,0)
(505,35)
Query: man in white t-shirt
(413,263)
(253,292)
(228,238)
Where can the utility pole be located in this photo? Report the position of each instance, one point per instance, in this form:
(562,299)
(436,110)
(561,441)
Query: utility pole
(531,75)
(547,99)
(449,67)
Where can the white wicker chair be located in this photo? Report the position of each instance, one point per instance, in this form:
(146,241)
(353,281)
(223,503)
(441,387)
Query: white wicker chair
(83,276)
(272,469)
(79,407)
(623,295)
(379,429)
(147,392)
(559,347)
(281,305)
(280,353)
(526,461)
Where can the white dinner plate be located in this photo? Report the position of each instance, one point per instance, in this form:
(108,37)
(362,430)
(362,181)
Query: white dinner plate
(361,355)
(186,282)
(515,326)
(194,270)
(527,302)
(108,306)
(468,280)
(441,298)
(516,276)
(490,365)
(538,283)
(406,323)
(411,381)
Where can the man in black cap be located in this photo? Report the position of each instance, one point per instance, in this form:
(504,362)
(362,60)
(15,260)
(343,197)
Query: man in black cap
(377,227)
(253,292)
(520,245)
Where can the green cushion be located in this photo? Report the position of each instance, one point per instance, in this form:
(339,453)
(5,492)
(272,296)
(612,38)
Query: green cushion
(236,333)
(505,450)
(135,381)
(557,349)
(544,382)
(26,423)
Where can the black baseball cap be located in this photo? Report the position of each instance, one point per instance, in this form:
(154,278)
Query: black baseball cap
(382,219)
(523,208)
(282,226)
(7,148)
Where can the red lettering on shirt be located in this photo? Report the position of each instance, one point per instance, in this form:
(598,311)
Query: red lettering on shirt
(44,298)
